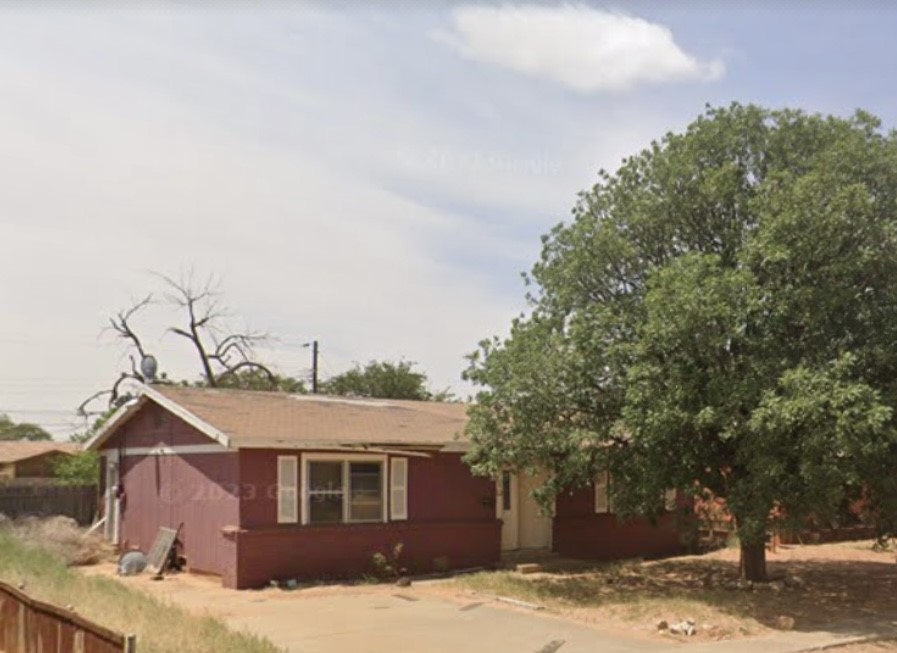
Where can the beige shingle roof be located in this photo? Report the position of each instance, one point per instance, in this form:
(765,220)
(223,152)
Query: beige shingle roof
(16,450)
(268,419)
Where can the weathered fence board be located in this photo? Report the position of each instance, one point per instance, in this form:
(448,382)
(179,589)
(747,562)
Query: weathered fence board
(31,626)
(76,501)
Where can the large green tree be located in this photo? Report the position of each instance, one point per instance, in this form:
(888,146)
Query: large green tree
(384,380)
(720,313)
(10,430)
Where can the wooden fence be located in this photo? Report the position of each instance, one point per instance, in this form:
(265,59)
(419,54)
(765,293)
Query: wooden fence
(76,501)
(31,626)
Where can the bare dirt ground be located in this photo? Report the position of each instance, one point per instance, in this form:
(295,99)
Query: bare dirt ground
(844,584)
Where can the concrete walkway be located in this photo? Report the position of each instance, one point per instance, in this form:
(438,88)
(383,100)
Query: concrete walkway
(405,621)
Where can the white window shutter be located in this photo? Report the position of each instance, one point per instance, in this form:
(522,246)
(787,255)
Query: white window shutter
(287,486)
(602,499)
(398,489)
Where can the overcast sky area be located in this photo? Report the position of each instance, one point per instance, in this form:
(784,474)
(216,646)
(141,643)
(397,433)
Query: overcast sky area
(376,179)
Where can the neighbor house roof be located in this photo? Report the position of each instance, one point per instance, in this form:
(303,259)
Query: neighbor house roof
(13,451)
(248,419)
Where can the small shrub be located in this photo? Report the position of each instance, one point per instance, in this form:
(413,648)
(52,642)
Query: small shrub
(389,565)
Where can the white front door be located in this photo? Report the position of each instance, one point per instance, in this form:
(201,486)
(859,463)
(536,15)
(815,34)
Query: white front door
(523,526)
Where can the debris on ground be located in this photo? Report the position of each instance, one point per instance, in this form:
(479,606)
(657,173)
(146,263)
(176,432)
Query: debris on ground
(686,627)
(795,582)
(131,563)
(519,603)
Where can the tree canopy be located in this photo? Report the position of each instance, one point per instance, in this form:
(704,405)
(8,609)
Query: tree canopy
(721,314)
(256,379)
(10,430)
(384,380)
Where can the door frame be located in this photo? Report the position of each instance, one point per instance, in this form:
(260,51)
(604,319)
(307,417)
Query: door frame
(507,509)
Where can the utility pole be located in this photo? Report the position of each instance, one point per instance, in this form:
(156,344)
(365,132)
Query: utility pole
(314,365)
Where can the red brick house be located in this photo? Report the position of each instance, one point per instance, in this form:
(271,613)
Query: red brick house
(272,486)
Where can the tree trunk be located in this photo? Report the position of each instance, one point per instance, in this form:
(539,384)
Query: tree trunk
(753,562)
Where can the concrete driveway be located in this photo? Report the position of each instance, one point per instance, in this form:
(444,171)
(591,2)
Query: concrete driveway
(414,620)
(404,622)
(383,618)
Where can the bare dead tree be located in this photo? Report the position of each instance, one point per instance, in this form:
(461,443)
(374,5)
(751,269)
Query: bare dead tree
(120,325)
(222,351)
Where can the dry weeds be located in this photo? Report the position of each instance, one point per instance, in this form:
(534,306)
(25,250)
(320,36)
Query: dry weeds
(61,536)
(843,582)
(160,627)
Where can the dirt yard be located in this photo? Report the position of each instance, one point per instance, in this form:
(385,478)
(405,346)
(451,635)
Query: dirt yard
(847,589)
(846,584)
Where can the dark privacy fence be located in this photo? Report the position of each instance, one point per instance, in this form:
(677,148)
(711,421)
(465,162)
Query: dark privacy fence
(76,501)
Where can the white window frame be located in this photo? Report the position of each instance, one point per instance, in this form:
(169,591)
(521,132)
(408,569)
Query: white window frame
(282,488)
(345,459)
(398,511)
(602,494)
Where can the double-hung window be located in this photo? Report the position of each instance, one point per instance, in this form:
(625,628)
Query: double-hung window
(340,490)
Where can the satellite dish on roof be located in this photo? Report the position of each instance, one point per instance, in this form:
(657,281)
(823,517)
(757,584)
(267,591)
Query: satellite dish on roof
(148,368)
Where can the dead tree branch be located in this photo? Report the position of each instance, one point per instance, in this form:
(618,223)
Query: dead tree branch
(223,353)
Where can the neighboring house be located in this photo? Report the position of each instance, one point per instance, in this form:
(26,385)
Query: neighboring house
(29,461)
(267,486)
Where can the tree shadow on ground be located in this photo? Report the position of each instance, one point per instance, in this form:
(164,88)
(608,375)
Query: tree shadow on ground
(849,596)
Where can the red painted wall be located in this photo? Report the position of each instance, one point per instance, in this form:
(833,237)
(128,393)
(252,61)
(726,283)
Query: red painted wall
(580,533)
(258,481)
(194,491)
(346,551)
(154,426)
(442,488)
(200,491)
(451,514)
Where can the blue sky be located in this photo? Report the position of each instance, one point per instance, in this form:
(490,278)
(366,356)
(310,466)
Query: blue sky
(376,179)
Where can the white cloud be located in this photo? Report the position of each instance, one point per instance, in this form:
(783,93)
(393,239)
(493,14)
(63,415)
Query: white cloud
(586,49)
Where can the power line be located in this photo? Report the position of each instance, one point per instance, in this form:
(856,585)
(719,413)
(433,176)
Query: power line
(37,411)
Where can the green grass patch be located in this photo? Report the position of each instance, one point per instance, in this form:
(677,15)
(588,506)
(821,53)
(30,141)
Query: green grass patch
(160,627)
